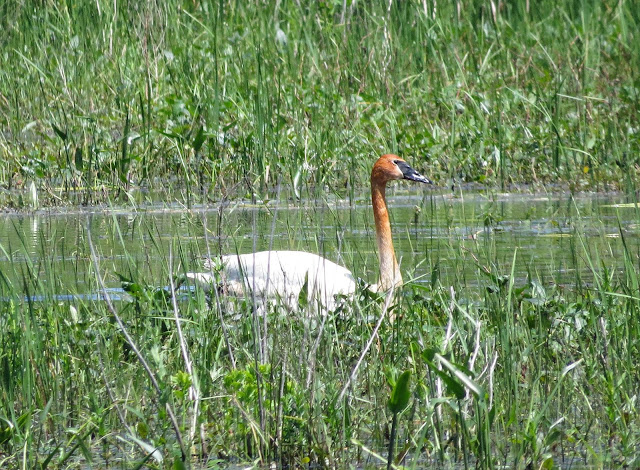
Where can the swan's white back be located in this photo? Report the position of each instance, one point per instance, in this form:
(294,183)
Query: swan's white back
(280,275)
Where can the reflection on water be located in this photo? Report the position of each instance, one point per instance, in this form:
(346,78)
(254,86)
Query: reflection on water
(555,239)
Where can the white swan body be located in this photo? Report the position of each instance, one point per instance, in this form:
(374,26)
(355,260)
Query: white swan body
(279,275)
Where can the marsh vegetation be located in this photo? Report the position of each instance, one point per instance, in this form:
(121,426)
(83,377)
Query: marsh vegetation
(531,303)
(198,100)
(164,132)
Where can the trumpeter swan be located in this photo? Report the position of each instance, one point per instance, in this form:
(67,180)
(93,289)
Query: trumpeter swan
(283,274)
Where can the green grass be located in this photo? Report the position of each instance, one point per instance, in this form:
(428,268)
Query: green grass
(191,102)
(184,98)
(506,370)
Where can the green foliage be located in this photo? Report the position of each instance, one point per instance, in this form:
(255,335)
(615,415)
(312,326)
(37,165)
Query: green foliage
(400,393)
(187,99)
(500,367)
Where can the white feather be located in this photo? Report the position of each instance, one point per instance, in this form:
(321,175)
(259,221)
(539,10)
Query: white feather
(279,274)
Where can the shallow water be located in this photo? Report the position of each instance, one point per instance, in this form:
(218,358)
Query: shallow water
(556,239)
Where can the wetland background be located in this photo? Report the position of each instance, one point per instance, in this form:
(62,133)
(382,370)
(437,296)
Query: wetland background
(166,131)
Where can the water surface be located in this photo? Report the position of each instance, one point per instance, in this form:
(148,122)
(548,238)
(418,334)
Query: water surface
(557,239)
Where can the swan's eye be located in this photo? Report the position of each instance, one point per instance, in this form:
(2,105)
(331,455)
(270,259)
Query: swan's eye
(395,162)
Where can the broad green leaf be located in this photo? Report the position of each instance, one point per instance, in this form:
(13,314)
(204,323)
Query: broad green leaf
(401,393)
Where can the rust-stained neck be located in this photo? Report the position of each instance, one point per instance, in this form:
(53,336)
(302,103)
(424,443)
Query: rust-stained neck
(389,270)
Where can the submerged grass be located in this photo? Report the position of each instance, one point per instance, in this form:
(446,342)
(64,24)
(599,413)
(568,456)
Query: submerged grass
(201,99)
(506,370)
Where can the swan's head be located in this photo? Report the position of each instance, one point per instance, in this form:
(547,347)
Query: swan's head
(392,167)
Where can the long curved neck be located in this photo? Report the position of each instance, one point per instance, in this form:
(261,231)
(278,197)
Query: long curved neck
(389,270)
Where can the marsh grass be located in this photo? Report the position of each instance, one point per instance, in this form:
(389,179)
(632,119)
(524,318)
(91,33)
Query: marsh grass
(189,99)
(507,369)
(197,102)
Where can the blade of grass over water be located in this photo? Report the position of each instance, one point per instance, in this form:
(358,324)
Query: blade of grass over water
(132,344)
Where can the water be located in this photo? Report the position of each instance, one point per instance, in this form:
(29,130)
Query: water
(555,238)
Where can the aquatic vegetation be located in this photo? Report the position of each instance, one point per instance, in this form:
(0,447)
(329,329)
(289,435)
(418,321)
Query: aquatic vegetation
(256,124)
(519,355)
(105,101)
